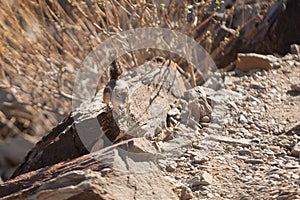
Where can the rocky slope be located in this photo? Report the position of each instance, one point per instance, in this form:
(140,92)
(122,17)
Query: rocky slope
(248,150)
(244,145)
(256,154)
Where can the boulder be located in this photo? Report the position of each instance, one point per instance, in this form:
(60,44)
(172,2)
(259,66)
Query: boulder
(250,61)
(122,171)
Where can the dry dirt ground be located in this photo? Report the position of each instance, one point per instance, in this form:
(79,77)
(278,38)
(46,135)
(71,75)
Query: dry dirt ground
(251,158)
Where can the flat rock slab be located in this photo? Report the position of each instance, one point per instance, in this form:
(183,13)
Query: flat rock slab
(228,140)
(110,173)
(250,61)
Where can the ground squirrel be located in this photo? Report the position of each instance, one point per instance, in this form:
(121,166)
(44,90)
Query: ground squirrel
(114,72)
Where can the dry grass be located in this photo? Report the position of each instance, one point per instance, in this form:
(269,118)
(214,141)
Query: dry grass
(44,42)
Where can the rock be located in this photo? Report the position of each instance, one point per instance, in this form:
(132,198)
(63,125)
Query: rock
(12,154)
(42,155)
(250,61)
(186,193)
(121,171)
(174,112)
(276,65)
(296,150)
(244,152)
(294,130)
(210,195)
(294,165)
(296,87)
(295,176)
(203,178)
(162,163)
(295,49)
(80,130)
(254,161)
(173,117)
(182,138)
(194,107)
(171,167)
(150,97)
(199,94)
(243,119)
(205,119)
(256,85)
(200,160)
(219,138)
(290,62)
(214,83)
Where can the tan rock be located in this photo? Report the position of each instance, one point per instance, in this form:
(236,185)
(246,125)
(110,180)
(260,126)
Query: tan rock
(295,49)
(296,150)
(186,193)
(203,178)
(250,61)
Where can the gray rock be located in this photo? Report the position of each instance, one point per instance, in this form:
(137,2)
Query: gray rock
(292,165)
(200,160)
(182,138)
(171,167)
(203,178)
(256,85)
(254,161)
(174,112)
(290,63)
(194,107)
(210,195)
(205,119)
(12,154)
(244,152)
(242,142)
(214,83)
(296,150)
(162,163)
(199,146)
(243,119)
(116,172)
(276,65)
(256,140)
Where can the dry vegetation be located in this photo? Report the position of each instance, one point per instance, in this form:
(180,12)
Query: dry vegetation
(44,42)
